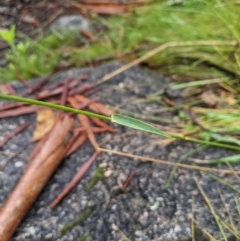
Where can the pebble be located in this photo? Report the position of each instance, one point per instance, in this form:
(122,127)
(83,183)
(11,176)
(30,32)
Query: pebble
(72,23)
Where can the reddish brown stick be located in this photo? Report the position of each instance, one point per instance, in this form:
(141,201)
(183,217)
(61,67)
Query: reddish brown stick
(35,178)
(64,94)
(87,34)
(97,107)
(20,111)
(8,106)
(129,179)
(24,82)
(68,79)
(87,103)
(81,89)
(80,174)
(86,124)
(52,90)
(49,93)
(38,86)
(10,89)
(14,133)
(102,124)
(79,141)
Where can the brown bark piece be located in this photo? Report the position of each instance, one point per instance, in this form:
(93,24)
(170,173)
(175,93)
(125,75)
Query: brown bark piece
(37,174)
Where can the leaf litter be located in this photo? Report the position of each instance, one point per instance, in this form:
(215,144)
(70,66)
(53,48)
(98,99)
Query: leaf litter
(59,135)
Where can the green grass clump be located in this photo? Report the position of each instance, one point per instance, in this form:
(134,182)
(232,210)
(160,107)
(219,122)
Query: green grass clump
(146,27)
(31,58)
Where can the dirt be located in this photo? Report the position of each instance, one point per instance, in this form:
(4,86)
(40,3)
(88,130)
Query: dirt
(147,210)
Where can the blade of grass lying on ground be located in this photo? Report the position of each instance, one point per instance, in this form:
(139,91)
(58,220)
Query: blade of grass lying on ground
(235,159)
(119,119)
(224,183)
(182,158)
(211,208)
(231,223)
(237,206)
(197,83)
(204,231)
(136,124)
(53,106)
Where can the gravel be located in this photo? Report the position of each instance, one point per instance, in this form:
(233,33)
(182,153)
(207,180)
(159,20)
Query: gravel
(147,210)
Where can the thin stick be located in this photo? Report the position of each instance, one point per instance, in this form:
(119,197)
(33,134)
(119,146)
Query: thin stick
(85,123)
(210,208)
(203,230)
(168,163)
(35,177)
(229,215)
(129,179)
(14,133)
(159,49)
(103,125)
(77,144)
(192,223)
(10,89)
(80,174)
(24,82)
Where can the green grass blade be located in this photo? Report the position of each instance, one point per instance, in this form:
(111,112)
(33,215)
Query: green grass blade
(136,124)
(235,159)
(53,106)
(224,183)
(182,158)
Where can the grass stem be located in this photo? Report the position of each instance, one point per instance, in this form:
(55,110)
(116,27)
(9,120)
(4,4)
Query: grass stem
(53,106)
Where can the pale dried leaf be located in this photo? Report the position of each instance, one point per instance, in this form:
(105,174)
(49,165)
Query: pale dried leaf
(45,121)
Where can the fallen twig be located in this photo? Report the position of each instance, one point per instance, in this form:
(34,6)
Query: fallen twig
(14,133)
(80,174)
(85,123)
(97,107)
(129,179)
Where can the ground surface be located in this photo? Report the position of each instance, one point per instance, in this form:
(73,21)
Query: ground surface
(147,210)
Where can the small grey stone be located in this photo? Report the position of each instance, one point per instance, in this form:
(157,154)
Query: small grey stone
(72,23)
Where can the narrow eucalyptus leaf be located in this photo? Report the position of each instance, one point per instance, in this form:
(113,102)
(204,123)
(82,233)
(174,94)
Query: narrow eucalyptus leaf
(136,124)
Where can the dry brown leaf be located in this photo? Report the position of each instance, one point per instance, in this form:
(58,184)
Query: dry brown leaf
(45,121)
